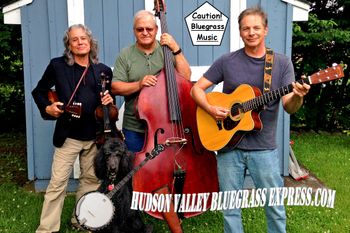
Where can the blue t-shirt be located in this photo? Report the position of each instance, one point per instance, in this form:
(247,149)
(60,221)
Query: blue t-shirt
(238,68)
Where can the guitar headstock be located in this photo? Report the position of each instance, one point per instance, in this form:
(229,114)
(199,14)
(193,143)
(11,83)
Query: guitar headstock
(159,6)
(329,74)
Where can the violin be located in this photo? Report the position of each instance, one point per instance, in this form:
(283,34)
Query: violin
(108,116)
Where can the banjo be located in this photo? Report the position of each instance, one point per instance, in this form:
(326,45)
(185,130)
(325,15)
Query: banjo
(95,210)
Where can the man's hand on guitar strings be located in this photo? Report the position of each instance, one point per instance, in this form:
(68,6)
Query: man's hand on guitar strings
(218,112)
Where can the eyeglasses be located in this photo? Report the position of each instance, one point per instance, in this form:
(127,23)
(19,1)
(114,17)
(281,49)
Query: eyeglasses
(143,29)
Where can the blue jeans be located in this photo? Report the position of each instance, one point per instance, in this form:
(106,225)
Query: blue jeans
(264,169)
(134,140)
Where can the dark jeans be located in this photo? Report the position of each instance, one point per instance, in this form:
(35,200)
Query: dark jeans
(134,140)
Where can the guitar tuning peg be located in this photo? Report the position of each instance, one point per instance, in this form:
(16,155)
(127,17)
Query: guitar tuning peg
(323,85)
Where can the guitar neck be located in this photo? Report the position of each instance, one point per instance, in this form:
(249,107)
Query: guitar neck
(270,96)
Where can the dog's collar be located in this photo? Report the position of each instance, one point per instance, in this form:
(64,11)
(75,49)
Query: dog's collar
(111,182)
(110,187)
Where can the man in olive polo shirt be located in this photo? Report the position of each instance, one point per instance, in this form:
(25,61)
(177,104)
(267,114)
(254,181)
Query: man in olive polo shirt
(137,66)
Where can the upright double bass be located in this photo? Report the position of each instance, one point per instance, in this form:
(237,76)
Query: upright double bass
(185,166)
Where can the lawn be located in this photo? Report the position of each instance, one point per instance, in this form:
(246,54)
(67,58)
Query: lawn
(325,155)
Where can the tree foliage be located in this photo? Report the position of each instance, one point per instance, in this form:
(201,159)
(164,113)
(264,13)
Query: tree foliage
(12,114)
(11,65)
(321,41)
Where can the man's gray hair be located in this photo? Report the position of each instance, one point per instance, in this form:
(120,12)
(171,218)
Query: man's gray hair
(143,13)
(93,54)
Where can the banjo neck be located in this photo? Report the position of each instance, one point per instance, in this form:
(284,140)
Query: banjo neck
(158,148)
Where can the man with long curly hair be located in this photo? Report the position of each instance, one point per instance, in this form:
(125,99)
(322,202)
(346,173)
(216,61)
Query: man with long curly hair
(73,137)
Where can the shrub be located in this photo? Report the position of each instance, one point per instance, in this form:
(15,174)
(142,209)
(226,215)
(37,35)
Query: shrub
(12,109)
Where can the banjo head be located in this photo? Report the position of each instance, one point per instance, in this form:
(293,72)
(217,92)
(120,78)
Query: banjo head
(94,210)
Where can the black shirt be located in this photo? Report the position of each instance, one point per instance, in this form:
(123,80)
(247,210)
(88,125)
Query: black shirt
(84,128)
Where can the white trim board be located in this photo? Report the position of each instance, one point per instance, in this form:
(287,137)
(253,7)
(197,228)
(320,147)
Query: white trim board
(12,12)
(75,10)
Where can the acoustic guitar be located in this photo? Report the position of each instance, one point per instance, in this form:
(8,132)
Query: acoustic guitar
(74,109)
(245,104)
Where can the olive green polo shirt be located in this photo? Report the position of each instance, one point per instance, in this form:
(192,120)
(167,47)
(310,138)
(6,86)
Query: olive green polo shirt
(132,65)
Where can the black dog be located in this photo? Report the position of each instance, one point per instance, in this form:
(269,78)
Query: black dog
(112,163)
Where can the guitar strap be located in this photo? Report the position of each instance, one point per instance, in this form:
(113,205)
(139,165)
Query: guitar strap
(268,69)
(76,88)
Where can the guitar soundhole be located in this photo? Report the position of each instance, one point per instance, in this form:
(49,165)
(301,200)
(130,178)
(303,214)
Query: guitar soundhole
(236,112)
(229,124)
(219,124)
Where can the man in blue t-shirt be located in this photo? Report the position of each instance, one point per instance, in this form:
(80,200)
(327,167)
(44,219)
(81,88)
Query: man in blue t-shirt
(257,150)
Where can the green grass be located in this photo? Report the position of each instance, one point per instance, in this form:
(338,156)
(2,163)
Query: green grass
(20,210)
(327,156)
